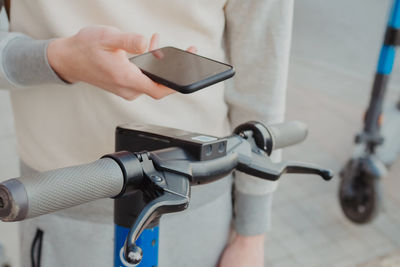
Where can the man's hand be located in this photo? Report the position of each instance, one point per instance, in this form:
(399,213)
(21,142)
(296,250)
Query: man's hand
(244,251)
(98,55)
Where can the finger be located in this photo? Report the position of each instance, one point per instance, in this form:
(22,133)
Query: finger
(130,42)
(139,82)
(158,53)
(192,49)
(154,41)
(149,87)
(128,94)
(155,90)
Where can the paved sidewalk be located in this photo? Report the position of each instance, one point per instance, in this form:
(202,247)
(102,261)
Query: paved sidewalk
(308,226)
(392,260)
(335,48)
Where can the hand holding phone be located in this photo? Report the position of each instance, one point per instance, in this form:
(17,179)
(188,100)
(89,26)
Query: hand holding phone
(97,55)
(180,70)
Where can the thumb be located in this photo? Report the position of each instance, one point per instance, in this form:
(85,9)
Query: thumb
(130,42)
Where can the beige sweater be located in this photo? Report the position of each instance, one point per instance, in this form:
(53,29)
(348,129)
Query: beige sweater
(59,125)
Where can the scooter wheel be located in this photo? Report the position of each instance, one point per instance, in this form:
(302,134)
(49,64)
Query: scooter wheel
(359,192)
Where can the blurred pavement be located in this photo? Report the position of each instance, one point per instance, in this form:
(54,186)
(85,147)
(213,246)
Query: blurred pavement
(334,53)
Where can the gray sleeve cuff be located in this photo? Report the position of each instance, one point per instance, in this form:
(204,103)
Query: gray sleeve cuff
(24,62)
(252,213)
(253,202)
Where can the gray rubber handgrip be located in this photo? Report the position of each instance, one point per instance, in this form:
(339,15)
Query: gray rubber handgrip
(288,133)
(50,191)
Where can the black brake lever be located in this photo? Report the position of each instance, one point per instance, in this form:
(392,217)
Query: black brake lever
(262,167)
(305,168)
(168,192)
(254,159)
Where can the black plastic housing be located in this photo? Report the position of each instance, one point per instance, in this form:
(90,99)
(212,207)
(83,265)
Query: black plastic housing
(140,137)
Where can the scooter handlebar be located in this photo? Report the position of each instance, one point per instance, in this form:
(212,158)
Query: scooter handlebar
(287,134)
(28,197)
(43,193)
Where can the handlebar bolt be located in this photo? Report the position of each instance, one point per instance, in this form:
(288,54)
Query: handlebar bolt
(208,150)
(135,254)
(221,148)
(156,178)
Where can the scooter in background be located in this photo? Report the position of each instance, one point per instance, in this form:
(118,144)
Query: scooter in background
(378,144)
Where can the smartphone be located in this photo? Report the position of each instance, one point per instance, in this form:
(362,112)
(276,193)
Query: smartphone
(180,70)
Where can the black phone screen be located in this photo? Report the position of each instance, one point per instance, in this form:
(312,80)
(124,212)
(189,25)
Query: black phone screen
(181,70)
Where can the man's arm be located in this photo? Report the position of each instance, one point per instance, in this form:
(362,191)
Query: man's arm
(258,36)
(97,55)
(23,60)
